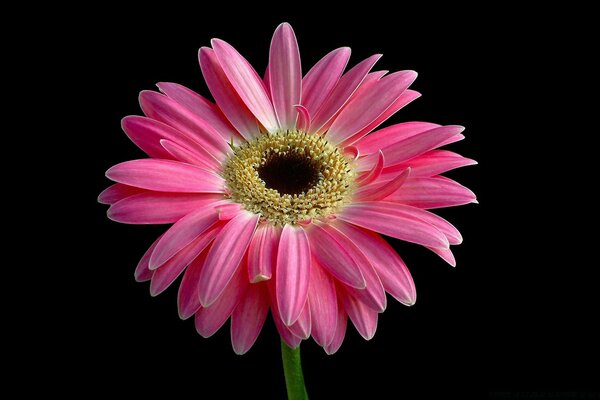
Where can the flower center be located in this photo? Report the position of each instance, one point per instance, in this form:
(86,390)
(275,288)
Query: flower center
(289,176)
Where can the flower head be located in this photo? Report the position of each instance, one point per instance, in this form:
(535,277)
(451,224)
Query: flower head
(278,191)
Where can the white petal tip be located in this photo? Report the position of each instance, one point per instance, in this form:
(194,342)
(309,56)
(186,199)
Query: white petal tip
(260,278)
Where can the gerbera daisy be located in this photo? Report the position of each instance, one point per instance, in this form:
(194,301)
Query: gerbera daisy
(279,191)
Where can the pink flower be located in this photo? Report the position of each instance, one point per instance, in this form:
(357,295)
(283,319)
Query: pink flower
(278,191)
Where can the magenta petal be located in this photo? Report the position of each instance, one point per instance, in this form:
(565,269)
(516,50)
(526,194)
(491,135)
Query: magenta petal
(322,300)
(374,173)
(182,233)
(262,253)
(322,78)
(158,207)
(392,134)
(117,192)
(198,156)
(435,192)
(340,331)
(342,92)
(226,96)
(364,109)
(396,221)
(169,271)
(380,190)
(248,318)
(288,337)
(303,118)
(247,83)
(142,272)
(445,254)
(432,163)
(392,271)
(285,74)
(302,326)
(166,176)
(445,227)
(334,257)
(201,107)
(293,272)
(188,301)
(364,318)
(209,320)
(225,256)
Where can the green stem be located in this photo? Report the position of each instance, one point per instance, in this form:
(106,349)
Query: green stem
(292,369)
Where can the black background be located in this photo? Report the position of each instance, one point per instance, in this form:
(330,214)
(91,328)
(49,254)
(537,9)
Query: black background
(514,315)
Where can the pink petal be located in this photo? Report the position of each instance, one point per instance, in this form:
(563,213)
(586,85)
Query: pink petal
(158,207)
(435,192)
(340,331)
(379,190)
(446,255)
(209,320)
(392,271)
(248,318)
(201,107)
(303,118)
(226,96)
(373,294)
(394,220)
(285,74)
(374,173)
(169,271)
(322,300)
(182,233)
(293,273)
(405,98)
(166,176)
(302,326)
(188,301)
(364,318)
(228,211)
(322,78)
(142,272)
(164,109)
(247,83)
(117,192)
(262,253)
(366,108)
(346,86)
(432,163)
(198,156)
(288,337)
(225,256)
(336,259)
(392,134)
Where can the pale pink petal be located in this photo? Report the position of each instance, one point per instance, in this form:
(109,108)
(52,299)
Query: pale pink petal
(446,255)
(228,211)
(248,318)
(198,156)
(374,173)
(322,300)
(379,190)
(405,98)
(188,301)
(453,139)
(322,78)
(432,163)
(209,320)
(303,118)
(366,108)
(346,86)
(434,192)
(142,272)
(364,318)
(164,109)
(262,253)
(302,326)
(182,233)
(226,96)
(373,294)
(267,82)
(201,107)
(335,258)
(288,337)
(225,256)
(117,192)
(293,272)
(158,208)
(394,220)
(340,330)
(285,74)
(247,83)
(166,176)
(170,270)
(392,271)
(392,134)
